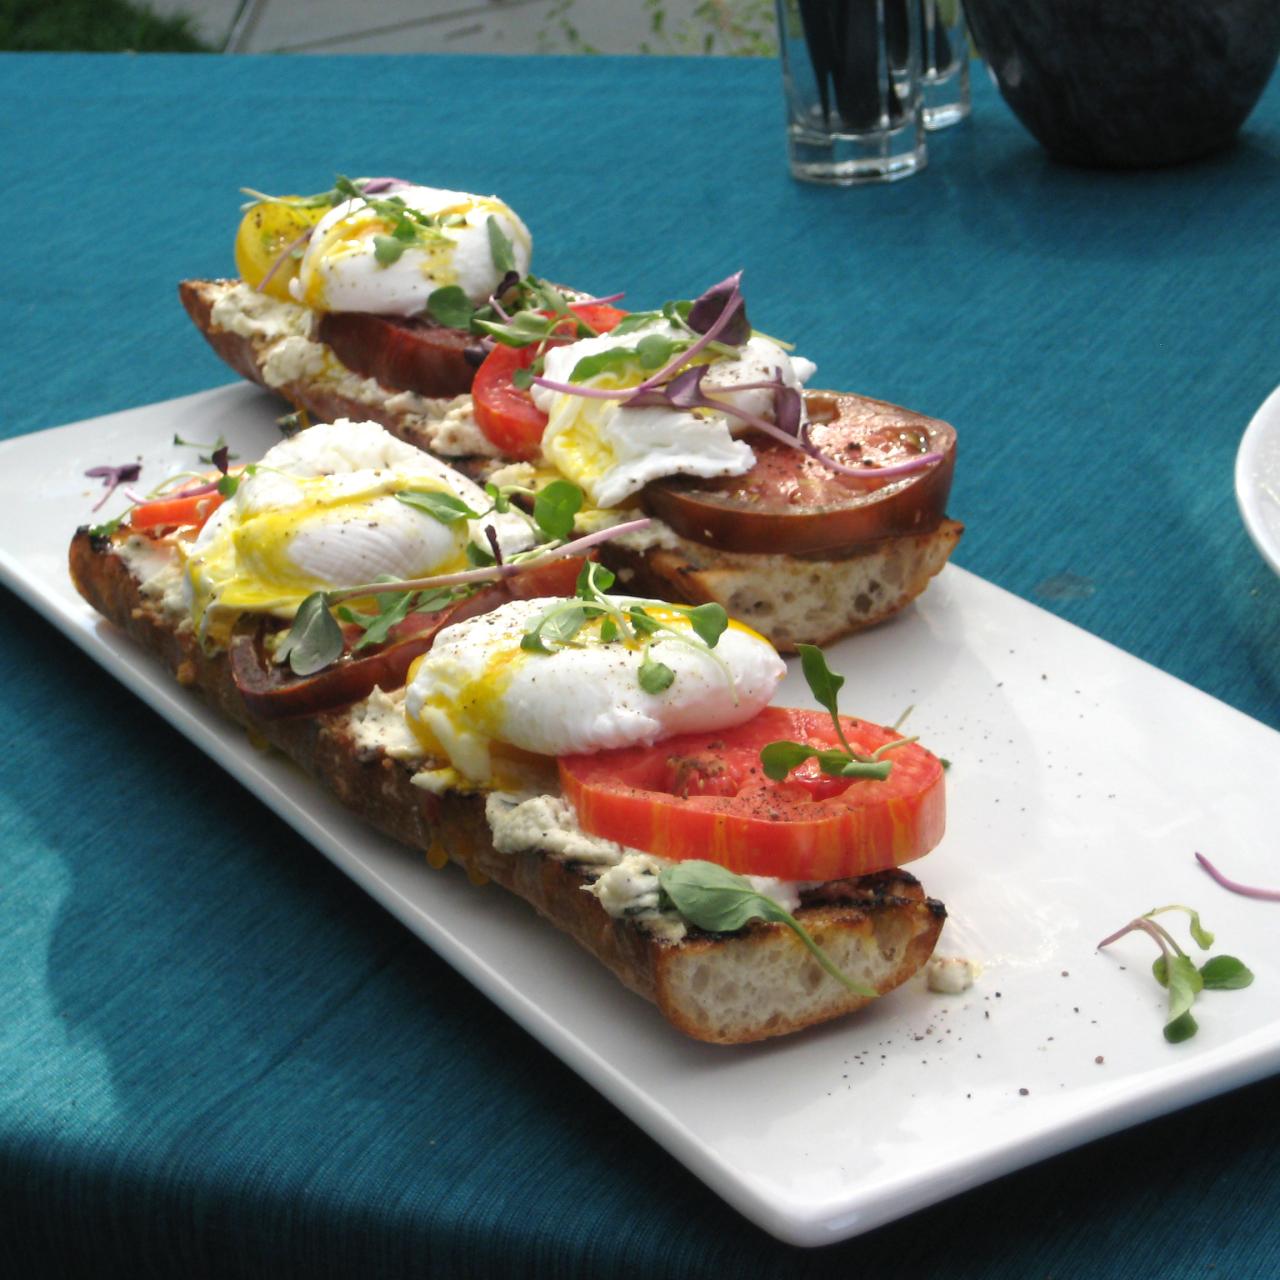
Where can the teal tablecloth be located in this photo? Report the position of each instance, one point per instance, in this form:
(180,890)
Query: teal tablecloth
(218,1059)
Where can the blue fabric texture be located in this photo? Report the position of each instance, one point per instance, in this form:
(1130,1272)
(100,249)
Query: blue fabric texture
(216,1057)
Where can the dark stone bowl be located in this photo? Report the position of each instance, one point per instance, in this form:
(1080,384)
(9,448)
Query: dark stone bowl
(1129,83)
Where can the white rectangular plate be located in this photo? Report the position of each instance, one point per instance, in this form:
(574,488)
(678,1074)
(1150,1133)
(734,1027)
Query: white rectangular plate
(1083,781)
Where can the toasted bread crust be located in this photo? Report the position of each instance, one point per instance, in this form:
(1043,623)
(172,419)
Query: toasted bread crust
(880,928)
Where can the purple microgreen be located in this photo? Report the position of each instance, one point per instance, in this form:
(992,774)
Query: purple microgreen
(1234,886)
(723,309)
(221,458)
(788,408)
(282,257)
(491,536)
(112,478)
(379,186)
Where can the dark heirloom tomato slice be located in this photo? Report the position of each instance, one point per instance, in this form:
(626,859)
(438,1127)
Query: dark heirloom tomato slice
(507,416)
(705,795)
(273,692)
(789,503)
(412,354)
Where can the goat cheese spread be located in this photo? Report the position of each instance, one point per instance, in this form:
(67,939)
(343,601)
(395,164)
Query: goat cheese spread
(625,881)
(158,570)
(950,975)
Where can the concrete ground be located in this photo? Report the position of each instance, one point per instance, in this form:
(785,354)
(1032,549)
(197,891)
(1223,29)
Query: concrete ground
(480,26)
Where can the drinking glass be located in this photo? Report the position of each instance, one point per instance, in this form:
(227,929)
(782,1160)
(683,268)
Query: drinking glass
(851,77)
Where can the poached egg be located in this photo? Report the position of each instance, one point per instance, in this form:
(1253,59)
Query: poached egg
(343,270)
(612,452)
(320,511)
(478,693)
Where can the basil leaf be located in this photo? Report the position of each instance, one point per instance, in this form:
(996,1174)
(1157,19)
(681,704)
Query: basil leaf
(387,249)
(655,676)
(709,622)
(1225,973)
(555,506)
(714,898)
(501,250)
(450,307)
(823,683)
(314,640)
(1181,1028)
(438,504)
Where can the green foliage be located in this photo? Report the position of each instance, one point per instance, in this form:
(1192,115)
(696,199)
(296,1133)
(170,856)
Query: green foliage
(93,26)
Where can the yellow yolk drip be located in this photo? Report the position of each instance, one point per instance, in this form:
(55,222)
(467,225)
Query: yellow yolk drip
(247,567)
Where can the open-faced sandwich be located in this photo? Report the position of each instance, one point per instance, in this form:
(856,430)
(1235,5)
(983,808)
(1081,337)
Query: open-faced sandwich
(451,662)
(808,514)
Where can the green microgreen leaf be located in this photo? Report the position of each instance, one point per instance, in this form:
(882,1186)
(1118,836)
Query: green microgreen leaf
(608,631)
(439,504)
(501,503)
(823,683)
(314,640)
(651,352)
(522,379)
(450,307)
(107,527)
(1202,936)
(1174,970)
(524,329)
(1180,1028)
(388,249)
(713,898)
(709,622)
(1225,973)
(641,621)
(479,557)
(1185,983)
(393,607)
(593,578)
(228,485)
(555,506)
(655,676)
(635,320)
(501,250)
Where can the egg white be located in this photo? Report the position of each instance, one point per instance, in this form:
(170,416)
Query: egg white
(612,452)
(320,512)
(477,690)
(340,272)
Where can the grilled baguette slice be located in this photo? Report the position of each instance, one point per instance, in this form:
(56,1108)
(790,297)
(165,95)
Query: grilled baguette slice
(789,599)
(723,988)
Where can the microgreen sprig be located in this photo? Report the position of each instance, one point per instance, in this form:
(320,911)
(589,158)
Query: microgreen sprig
(780,758)
(634,626)
(1178,973)
(315,640)
(713,898)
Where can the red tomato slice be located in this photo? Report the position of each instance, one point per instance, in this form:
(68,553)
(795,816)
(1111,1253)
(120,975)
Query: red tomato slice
(171,512)
(705,795)
(507,415)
